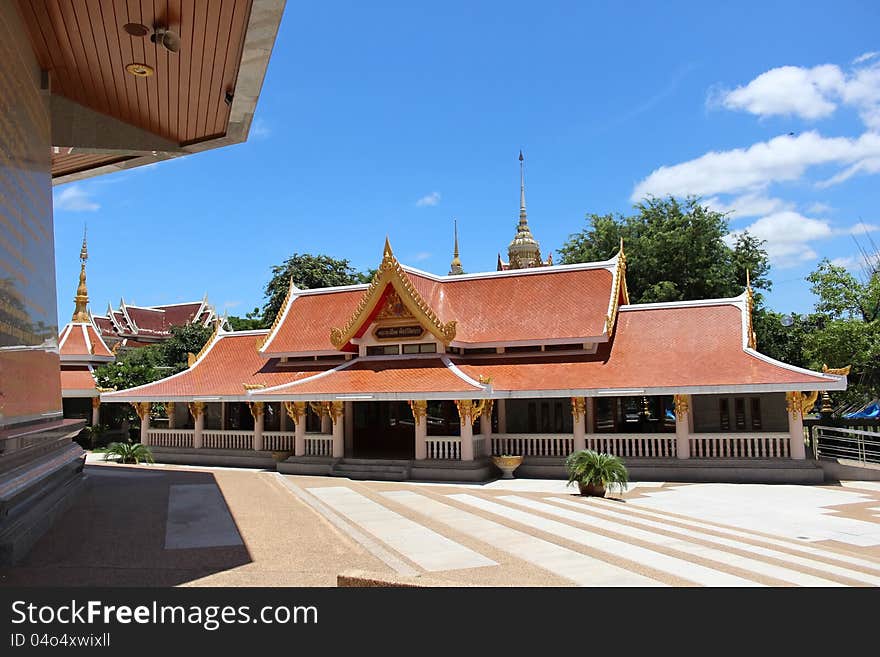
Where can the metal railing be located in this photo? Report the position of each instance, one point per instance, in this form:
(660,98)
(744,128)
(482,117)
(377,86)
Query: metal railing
(850,444)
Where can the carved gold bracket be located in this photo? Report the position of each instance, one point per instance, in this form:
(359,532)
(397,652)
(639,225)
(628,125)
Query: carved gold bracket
(256,409)
(682,405)
(799,403)
(96,402)
(578,408)
(419,408)
(296,411)
(196,409)
(469,410)
(335,410)
(142,409)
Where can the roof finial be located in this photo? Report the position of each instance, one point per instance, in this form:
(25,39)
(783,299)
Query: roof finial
(81,300)
(522,189)
(387,252)
(455,268)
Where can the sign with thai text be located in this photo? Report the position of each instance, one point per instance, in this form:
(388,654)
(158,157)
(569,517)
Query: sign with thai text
(398,332)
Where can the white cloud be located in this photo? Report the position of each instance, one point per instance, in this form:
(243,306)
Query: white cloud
(749,205)
(231,304)
(260,129)
(861,228)
(788,90)
(819,208)
(431,199)
(421,256)
(783,158)
(74,199)
(810,93)
(864,57)
(787,235)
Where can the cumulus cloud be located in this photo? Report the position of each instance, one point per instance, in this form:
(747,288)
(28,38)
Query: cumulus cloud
(787,235)
(431,199)
(819,208)
(864,57)
(809,93)
(752,204)
(74,198)
(783,158)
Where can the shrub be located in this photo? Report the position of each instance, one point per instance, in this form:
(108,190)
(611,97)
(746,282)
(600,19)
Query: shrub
(590,468)
(128,453)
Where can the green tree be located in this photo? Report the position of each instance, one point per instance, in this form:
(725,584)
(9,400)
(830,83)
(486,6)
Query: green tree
(677,251)
(307,272)
(251,321)
(847,328)
(173,353)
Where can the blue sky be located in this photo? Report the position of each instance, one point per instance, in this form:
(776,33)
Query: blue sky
(396,117)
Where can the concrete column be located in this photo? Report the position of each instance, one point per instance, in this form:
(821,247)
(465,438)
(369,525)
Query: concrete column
(683,424)
(420,420)
(299,435)
(143,411)
(197,410)
(579,419)
(326,424)
(257,410)
(169,411)
(794,404)
(502,415)
(467,439)
(96,411)
(337,416)
(223,416)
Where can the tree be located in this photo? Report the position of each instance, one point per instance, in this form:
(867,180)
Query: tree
(307,272)
(187,339)
(677,251)
(251,321)
(847,328)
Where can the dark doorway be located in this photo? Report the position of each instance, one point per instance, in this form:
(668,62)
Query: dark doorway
(383,430)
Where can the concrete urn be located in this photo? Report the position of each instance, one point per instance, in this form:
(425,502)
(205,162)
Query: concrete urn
(507,464)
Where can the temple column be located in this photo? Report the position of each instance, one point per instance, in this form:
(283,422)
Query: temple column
(282,420)
(682,426)
(579,417)
(257,411)
(419,409)
(143,411)
(169,411)
(486,427)
(794,403)
(197,410)
(296,411)
(466,416)
(326,423)
(502,416)
(96,411)
(223,416)
(336,412)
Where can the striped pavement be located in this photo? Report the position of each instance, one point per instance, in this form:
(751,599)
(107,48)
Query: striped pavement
(585,542)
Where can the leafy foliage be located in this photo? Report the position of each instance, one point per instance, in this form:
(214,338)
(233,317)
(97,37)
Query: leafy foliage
(679,251)
(307,271)
(251,321)
(588,467)
(128,453)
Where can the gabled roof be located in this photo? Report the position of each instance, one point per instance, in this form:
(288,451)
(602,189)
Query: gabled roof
(78,381)
(227,364)
(82,342)
(686,347)
(563,303)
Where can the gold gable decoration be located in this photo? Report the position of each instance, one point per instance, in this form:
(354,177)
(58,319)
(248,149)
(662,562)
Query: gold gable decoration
(278,315)
(206,346)
(839,371)
(800,403)
(619,280)
(750,307)
(391,273)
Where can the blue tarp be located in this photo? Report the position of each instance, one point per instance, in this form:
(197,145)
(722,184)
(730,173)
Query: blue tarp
(871,411)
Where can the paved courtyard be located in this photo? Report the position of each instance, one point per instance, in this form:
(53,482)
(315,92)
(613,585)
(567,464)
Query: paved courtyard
(179,525)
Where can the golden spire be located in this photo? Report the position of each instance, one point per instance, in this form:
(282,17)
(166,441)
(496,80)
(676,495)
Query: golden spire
(80,312)
(455,268)
(524,250)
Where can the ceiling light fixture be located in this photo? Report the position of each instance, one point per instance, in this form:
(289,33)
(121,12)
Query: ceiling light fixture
(140,70)
(136,29)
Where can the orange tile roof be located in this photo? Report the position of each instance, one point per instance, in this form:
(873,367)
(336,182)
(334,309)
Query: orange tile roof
(553,303)
(230,361)
(78,379)
(413,378)
(80,341)
(674,347)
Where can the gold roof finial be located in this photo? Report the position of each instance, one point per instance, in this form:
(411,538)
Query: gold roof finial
(522,189)
(81,300)
(387,252)
(455,268)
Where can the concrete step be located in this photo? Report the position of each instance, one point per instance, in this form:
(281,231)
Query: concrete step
(383,470)
(354,461)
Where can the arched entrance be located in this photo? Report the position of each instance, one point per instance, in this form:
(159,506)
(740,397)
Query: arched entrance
(383,430)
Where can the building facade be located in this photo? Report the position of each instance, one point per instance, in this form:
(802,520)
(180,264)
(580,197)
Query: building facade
(422,376)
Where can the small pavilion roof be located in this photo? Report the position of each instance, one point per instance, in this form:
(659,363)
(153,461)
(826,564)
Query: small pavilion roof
(78,381)
(82,341)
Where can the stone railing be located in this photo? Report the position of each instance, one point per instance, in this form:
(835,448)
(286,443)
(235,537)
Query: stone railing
(532,444)
(319,444)
(443,447)
(278,441)
(228,439)
(170,437)
(740,445)
(638,445)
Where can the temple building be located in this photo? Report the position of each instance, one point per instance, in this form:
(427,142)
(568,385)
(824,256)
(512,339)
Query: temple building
(131,326)
(81,350)
(419,376)
(524,251)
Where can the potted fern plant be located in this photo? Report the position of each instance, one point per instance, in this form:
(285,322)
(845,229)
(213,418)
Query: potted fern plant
(128,453)
(595,471)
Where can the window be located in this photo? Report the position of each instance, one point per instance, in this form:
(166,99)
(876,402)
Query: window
(563,347)
(523,349)
(724,411)
(383,350)
(420,348)
(755,403)
(480,350)
(739,405)
(606,408)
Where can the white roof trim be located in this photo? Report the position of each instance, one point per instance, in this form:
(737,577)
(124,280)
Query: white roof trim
(530,271)
(65,332)
(319,375)
(461,375)
(729,301)
(87,339)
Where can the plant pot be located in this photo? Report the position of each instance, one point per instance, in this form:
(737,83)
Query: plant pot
(507,464)
(592,490)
